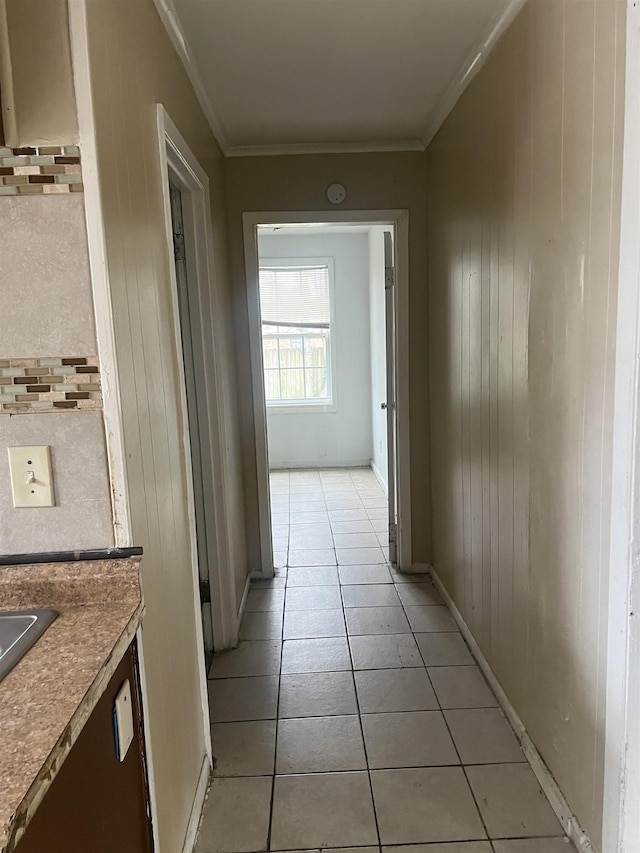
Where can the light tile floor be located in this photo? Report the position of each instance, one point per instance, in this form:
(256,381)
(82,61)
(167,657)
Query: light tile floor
(352,714)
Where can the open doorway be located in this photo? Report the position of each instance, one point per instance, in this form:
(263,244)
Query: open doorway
(330,384)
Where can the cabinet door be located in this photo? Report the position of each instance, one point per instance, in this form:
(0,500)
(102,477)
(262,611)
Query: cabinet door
(97,804)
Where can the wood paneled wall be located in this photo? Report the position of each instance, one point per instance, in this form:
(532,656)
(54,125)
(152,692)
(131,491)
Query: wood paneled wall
(524,182)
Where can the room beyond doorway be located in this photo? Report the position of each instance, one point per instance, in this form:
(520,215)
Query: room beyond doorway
(384,406)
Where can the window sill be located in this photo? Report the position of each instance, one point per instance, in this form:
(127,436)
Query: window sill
(305,409)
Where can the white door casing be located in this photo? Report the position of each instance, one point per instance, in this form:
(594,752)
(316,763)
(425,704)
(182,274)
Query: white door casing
(390,328)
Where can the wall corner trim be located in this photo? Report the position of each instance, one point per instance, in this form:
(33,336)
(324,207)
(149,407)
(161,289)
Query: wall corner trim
(202,789)
(558,803)
(473,62)
(172,25)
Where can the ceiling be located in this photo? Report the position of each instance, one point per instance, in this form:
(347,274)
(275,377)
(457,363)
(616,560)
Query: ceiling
(277,75)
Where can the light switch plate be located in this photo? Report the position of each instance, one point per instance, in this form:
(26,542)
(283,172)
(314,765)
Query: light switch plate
(31,476)
(123,720)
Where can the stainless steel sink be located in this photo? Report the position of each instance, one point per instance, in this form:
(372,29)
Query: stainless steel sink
(19,630)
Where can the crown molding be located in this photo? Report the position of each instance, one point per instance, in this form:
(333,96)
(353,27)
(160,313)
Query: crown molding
(325,148)
(172,25)
(476,58)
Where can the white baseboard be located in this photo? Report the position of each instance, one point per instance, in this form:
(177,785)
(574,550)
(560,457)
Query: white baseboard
(243,602)
(315,465)
(558,803)
(196,809)
(380,478)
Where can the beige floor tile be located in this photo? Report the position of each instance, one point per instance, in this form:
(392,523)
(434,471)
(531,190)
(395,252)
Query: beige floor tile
(258,657)
(446,649)
(511,801)
(419,593)
(280,543)
(279,518)
(263,625)
(408,577)
(376,620)
(235,699)
(323,810)
(364,574)
(313,576)
(351,850)
(235,818)
(299,517)
(387,690)
(348,515)
(377,512)
(409,739)
(313,598)
(326,655)
(319,745)
(461,687)
(343,503)
(356,540)
(380,525)
(370,595)
(317,694)
(421,805)
(312,557)
(360,556)
(446,847)
(244,749)
(313,503)
(426,618)
(342,527)
(384,651)
(302,538)
(307,624)
(260,600)
(534,845)
(483,736)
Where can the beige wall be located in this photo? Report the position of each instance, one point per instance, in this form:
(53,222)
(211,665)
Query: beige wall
(38,99)
(524,182)
(134,67)
(299,183)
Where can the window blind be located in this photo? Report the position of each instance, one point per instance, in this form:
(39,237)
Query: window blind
(296,296)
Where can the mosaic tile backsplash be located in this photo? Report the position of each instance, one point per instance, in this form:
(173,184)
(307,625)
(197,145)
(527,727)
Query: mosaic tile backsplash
(49,169)
(29,385)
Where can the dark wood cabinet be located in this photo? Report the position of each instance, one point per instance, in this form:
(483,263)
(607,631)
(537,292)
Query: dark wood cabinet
(97,804)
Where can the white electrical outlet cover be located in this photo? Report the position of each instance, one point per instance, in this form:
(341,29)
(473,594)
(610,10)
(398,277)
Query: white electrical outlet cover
(31,476)
(123,720)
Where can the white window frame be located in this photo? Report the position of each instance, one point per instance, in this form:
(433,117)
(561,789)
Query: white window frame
(283,407)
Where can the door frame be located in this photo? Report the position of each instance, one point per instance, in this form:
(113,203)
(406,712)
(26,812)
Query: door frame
(621,817)
(399,220)
(177,160)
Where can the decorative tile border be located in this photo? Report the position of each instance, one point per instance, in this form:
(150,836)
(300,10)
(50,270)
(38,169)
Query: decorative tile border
(49,169)
(29,385)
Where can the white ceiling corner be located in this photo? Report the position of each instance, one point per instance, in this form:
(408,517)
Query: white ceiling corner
(323,76)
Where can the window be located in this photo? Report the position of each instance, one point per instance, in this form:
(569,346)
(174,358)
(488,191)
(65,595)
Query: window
(295,303)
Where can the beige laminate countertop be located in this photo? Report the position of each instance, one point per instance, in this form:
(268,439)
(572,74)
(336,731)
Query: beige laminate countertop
(47,698)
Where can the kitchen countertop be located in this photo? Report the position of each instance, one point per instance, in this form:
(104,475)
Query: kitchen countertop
(47,698)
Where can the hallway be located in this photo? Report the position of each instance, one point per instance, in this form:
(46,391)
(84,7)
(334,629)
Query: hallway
(352,713)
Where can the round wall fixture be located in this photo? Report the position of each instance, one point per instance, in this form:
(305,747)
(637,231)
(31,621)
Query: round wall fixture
(336,193)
